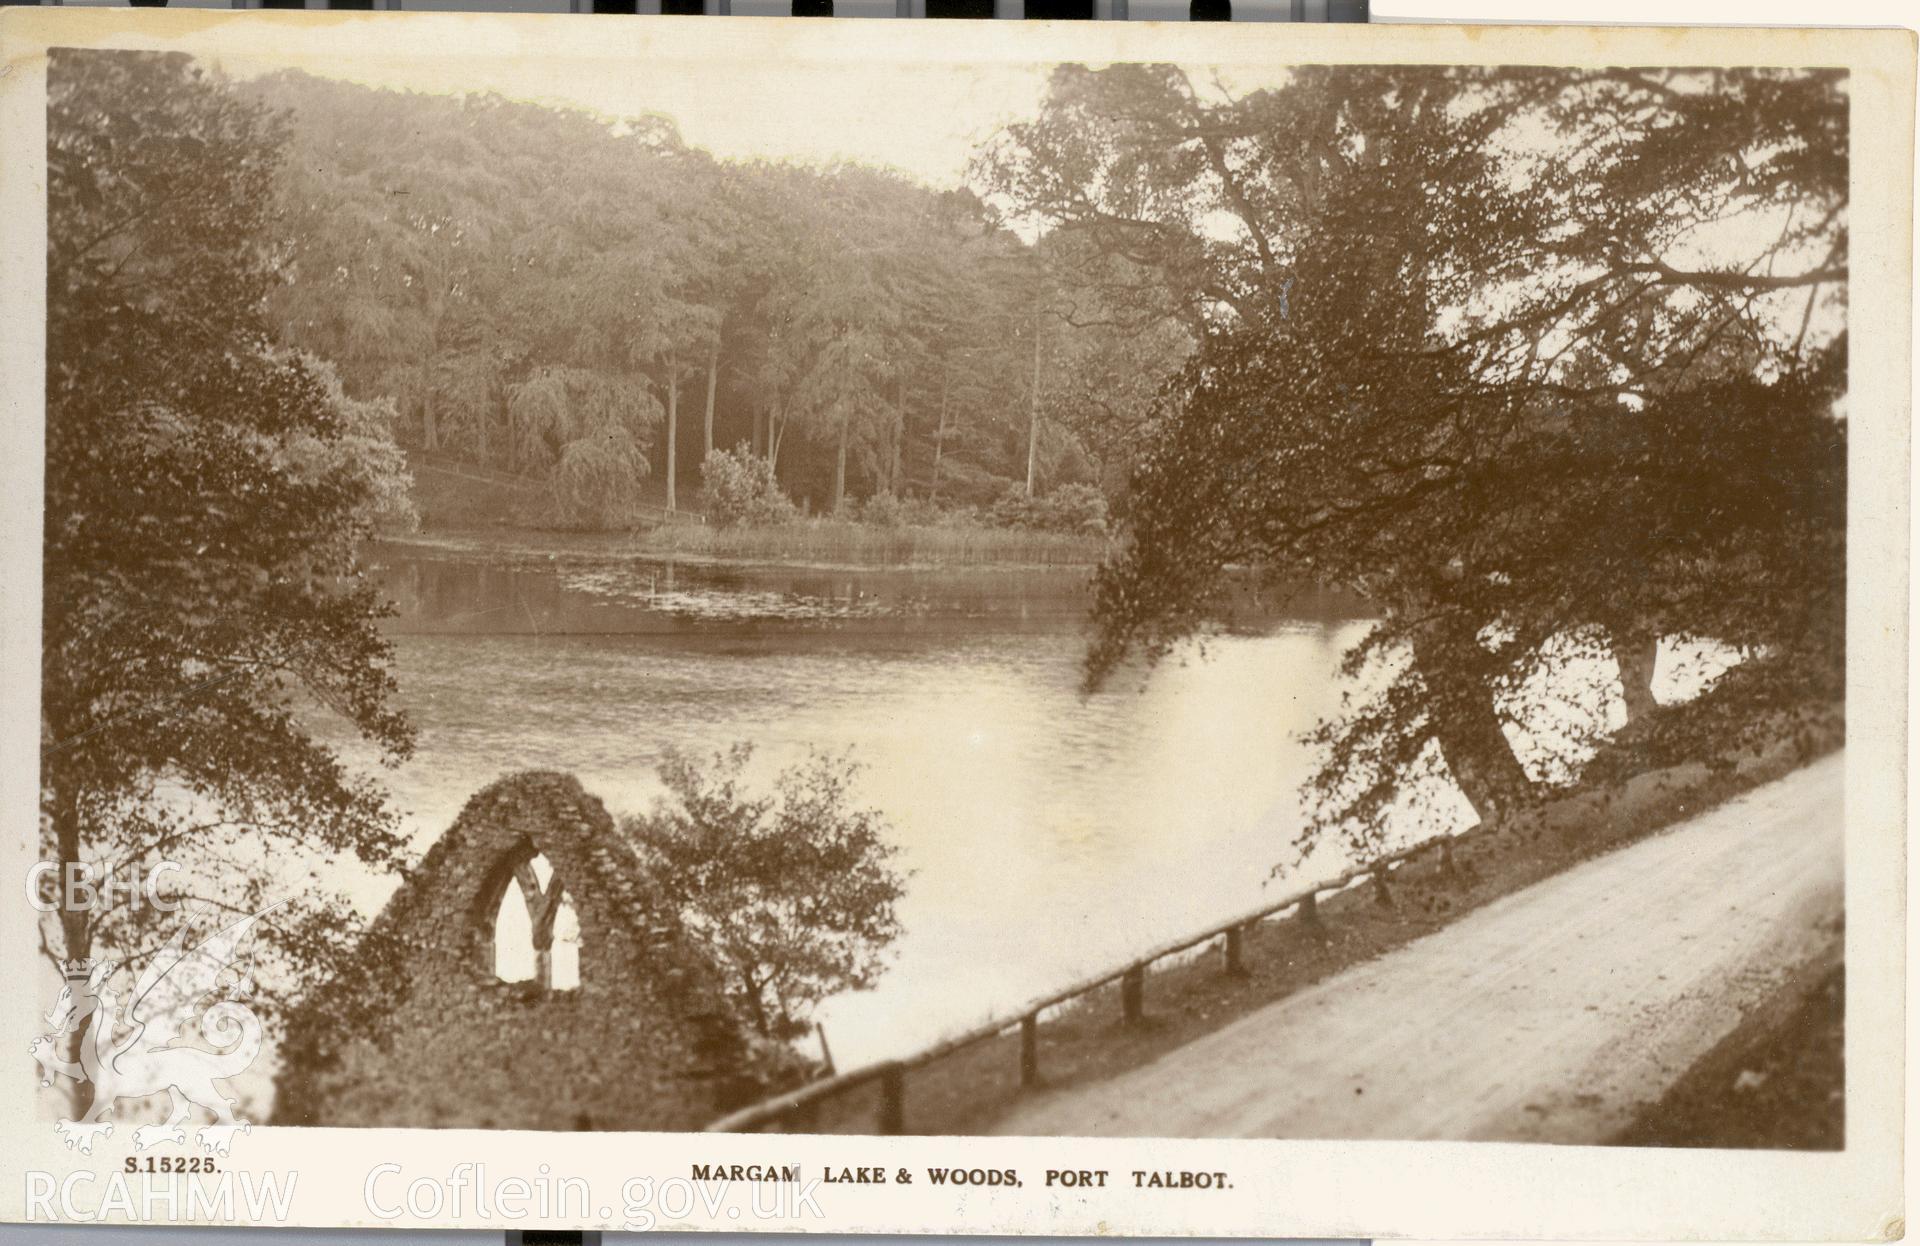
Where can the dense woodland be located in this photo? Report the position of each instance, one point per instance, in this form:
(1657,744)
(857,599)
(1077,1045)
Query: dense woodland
(591,303)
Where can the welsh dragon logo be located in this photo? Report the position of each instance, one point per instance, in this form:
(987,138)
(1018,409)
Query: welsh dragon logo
(146,1057)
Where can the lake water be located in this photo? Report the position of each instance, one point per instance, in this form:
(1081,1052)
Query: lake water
(1049,833)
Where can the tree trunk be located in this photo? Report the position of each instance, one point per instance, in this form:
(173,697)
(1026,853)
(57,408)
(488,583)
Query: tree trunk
(713,377)
(1637,651)
(673,429)
(939,443)
(1033,416)
(513,437)
(840,468)
(756,1003)
(1467,729)
(759,432)
(1482,761)
(76,933)
(76,930)
(899,439)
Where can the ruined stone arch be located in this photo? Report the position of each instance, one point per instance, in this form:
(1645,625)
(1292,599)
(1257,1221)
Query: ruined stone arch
(510,824)
(649,1040)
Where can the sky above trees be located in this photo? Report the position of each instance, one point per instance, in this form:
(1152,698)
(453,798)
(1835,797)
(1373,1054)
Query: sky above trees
(924,123)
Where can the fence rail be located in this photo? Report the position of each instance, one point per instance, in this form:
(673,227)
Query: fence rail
(796,1105)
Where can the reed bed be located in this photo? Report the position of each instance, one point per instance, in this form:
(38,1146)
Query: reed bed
(839,541)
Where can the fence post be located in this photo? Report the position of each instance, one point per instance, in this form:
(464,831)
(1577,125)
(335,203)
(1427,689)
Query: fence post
(1133,988)
(1310,910)
(1235,963)
(826,1052)
(893,1099)
(1030,1049)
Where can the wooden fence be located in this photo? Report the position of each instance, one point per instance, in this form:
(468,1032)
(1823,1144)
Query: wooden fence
(796,1107)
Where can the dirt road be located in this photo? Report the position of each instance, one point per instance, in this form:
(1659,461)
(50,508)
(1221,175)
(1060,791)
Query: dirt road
(1550,1015)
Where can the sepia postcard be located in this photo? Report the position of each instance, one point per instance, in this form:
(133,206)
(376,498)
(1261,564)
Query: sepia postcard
(994,627)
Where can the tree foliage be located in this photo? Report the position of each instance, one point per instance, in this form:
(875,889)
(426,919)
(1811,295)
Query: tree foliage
(206,491)
(539,286)
(741,491)
(1544,363)
(795,890)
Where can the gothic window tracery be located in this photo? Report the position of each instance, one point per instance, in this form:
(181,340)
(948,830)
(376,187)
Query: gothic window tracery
(536,934)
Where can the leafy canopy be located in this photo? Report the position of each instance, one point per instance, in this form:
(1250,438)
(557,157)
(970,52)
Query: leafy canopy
(206,491)
(1541,362)
(795,890)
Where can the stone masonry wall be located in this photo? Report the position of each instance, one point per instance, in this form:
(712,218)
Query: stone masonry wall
(647,1040)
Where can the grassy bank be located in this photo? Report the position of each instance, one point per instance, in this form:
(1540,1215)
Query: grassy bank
(453,498)
(844,542)
(1086,1041)
(1777,1082)
(448,494)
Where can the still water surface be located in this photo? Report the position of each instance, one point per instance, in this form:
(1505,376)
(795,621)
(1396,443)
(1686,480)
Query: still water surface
(1049,833)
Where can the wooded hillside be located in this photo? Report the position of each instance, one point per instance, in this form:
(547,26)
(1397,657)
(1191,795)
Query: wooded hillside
(590,303)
